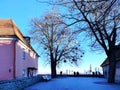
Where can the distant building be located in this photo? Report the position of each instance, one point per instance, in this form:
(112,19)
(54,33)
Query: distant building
(17,57)
(105,65)
(90,69)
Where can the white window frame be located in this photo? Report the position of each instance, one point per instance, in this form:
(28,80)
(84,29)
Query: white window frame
(24,73)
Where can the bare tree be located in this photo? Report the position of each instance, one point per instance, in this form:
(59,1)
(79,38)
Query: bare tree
(103,21)
(100,19)
(58,41)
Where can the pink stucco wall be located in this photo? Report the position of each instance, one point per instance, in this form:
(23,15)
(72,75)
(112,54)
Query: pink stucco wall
(10,52)
(6,59)
(23,64)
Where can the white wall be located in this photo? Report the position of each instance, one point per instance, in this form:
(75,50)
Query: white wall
(117,76)
(105,71)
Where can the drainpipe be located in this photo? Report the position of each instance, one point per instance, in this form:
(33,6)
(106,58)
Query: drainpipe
(14,64)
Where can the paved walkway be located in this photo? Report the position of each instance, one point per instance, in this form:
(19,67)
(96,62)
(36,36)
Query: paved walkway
(75,83)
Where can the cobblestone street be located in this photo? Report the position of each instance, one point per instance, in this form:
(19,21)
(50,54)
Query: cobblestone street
(75,83)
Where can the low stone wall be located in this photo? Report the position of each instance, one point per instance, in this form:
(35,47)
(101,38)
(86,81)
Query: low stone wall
(19,84)
(81,75)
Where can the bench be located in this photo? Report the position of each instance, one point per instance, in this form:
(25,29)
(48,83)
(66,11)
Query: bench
(46,78)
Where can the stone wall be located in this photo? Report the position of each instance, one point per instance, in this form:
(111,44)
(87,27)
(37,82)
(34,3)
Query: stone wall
(19,84)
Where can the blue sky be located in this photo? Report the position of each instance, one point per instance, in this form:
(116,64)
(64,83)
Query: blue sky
(21,11)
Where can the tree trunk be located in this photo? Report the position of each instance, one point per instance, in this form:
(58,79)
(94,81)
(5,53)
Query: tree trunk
(53,69)
(53,66)
(112,66)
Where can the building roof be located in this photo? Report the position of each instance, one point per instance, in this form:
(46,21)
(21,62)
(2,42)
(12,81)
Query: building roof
(9,29)
(106,61)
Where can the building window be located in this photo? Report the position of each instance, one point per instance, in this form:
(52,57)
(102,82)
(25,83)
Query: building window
(24,73)
(23,55)
(118,66)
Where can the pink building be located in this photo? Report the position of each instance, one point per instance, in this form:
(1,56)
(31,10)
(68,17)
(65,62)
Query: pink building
(17,57)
